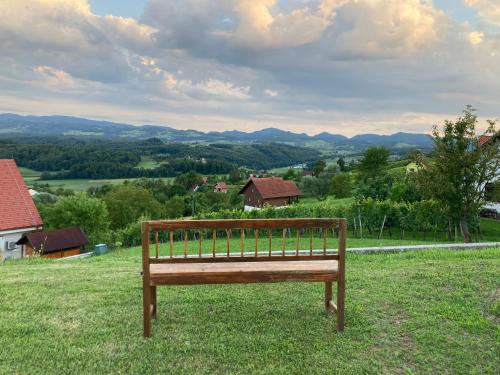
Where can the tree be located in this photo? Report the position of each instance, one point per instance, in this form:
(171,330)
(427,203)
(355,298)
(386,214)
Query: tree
(460,168)
(374,162)
(341,185)
(175,207)
(235,176)
(127,203)
(319,186)
(342,164)
(290,174)
(377,187)
(188,180)
(319,167)
(90,214)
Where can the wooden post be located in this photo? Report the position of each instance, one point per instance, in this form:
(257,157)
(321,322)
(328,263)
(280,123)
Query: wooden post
(146,287)
(328,297)
(341,278)
(153,301)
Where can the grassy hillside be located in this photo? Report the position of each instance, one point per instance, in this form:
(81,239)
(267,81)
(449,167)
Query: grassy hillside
(428,312)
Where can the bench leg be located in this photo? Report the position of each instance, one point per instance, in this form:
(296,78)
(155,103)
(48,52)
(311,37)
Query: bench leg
(340,304)
(328,298)
(146,304)
(153,301)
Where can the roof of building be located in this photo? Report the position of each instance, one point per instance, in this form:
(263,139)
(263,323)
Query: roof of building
(55,240)
(484,138)
(18,209)
(273,187)
(221,185)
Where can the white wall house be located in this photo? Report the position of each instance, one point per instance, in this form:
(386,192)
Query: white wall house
(18,213)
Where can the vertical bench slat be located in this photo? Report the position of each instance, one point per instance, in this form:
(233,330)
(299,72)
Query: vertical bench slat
(156,241)
(311,243)
(298,242)
(214,238)
(324,240)
(242,237)
(185,243)
(284,242)
(256,242)
(270,241)
(200,238)
(171,243)
(228,235)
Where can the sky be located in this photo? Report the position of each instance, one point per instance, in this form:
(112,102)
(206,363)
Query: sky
(340,66)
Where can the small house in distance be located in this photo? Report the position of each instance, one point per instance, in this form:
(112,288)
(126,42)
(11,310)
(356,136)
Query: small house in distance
(220,187)
(18,213)
(272,191)
(58,243)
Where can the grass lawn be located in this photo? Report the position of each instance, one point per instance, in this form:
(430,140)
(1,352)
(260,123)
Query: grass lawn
(415,312)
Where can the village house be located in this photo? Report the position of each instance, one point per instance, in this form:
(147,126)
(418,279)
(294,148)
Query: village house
(58,243)
(220,187)
(272,191)
(18,213)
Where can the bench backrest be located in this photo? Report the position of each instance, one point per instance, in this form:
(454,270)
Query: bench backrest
(283,240)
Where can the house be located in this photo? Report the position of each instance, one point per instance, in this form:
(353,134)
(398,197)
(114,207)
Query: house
(18,213)
(273,191)
(220,187)
(58,243)
(305,173)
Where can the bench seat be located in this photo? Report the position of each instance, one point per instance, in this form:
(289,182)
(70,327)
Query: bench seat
(242,272)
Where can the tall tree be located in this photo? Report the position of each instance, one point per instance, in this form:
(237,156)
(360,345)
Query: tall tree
(374,162)
(80,210)
(460,168)
(319,167)
(127,203)
(342,164)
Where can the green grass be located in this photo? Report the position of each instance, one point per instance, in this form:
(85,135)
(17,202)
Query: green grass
(148,163)
(426,312)
(79,184)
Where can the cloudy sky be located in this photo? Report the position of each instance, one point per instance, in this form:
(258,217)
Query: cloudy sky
(342,66)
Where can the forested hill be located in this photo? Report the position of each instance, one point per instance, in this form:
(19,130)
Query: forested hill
(15,126)
(107,159)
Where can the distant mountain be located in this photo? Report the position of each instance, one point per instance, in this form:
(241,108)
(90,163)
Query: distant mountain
(15,126)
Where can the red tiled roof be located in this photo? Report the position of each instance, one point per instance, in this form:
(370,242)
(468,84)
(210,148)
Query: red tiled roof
(55,240)
(273,187)
(484,138)
(17,209)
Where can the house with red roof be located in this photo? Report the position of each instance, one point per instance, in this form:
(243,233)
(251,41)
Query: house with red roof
(18,213)
(220,187)
(271,191)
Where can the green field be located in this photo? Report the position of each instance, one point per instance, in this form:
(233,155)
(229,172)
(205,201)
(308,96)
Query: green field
(31,177)
(147,163)
(406,313)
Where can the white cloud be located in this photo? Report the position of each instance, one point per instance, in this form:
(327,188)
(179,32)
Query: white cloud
(56,78)
(261,24)
(475,37)
(388,28)
(271,93)
(489,10)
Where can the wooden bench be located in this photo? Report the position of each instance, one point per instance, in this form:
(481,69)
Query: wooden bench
(274,264)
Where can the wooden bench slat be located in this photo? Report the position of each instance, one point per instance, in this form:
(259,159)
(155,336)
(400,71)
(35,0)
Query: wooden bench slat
(243,224)
(243,272)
